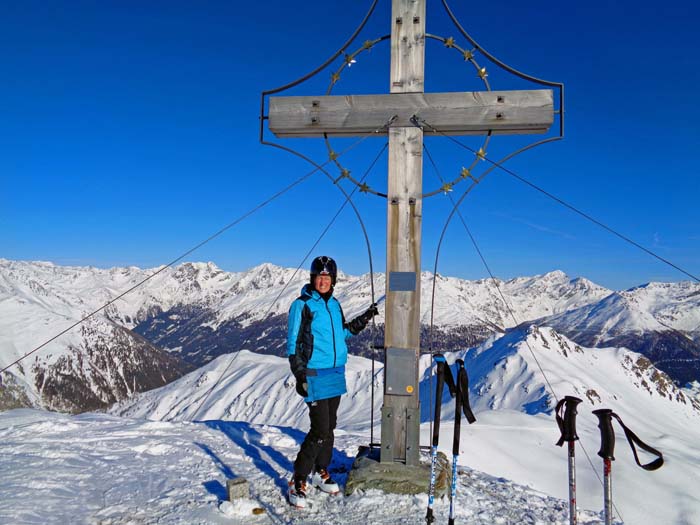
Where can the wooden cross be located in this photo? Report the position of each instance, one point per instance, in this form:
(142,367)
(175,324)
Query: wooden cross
(477,113)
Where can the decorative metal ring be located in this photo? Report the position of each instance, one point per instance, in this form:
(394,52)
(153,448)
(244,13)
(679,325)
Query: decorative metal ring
(465,172)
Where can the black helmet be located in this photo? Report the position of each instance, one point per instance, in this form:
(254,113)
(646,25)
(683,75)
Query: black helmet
(324,265)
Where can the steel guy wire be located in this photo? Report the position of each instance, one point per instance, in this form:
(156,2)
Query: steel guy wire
(318,167)
(508,307)
(569,206)
(475,182)
(510,310)
(306,256)
(488,269)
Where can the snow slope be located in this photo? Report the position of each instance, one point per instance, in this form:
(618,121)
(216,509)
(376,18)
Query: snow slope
(659,320)
(96,468)
(651,307)
(515,433)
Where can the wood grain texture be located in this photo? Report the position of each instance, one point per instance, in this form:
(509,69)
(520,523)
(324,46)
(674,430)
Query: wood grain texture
(464,113)
(407,46)
(404,223)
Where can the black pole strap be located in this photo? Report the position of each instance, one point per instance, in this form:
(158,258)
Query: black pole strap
(607,435)
(440,383)
(461,405)
(567,420)
(633,440)
(458,416)
(444,375)
(448,375)
(463,392)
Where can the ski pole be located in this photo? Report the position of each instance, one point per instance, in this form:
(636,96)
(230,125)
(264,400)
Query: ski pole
(607,449)
(567,426)
(455,450)
(444,374)
(461,405)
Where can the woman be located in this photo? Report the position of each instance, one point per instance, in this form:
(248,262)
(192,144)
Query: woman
(317,355)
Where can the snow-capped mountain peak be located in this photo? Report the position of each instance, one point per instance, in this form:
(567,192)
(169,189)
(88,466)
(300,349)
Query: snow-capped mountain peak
(520,370)
(196,311)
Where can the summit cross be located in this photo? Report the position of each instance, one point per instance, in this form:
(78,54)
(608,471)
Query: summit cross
(458,113)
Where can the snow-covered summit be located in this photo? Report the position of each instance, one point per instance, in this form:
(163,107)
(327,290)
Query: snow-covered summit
(508,373)
(660,320)
(650,307)
(96,468)
(515,431)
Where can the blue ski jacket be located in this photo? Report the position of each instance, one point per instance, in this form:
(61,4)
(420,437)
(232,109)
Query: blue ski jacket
(316,334)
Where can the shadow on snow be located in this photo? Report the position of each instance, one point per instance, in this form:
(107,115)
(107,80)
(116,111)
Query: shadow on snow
(266,458)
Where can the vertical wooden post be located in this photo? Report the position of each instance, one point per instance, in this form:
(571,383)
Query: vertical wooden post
(401,410)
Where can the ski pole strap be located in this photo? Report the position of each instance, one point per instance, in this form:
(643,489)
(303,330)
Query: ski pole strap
(633,440)
(567,421)
(444,375)
(440,383)
(458,412)
(463,390)
(440,360)
(607,434)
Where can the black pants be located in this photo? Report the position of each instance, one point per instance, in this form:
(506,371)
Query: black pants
(317,448)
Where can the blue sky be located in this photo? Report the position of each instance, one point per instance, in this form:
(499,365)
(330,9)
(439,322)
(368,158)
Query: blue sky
(129,133)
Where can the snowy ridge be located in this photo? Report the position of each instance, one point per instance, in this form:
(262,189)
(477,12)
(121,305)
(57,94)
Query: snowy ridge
(506,375)
(196,312)
(651,307)
(515,431)
(659,320)
(503,376)
(65,289)
(253,388)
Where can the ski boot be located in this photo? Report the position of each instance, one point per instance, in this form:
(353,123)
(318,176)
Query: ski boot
(323,481)
(297,492)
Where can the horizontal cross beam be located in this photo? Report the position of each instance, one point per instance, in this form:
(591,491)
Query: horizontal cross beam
(468,113)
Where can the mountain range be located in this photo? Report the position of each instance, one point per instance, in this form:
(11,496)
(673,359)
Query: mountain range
(188,315)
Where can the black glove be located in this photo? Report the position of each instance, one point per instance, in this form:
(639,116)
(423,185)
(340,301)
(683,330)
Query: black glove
(302,385)
(360,322)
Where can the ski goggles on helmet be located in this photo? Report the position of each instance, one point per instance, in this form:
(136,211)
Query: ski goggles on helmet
(324,265)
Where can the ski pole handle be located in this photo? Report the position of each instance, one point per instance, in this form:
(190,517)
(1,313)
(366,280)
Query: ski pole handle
(567,422)
(458,414)
(570,418)
(441,371)
(607,434)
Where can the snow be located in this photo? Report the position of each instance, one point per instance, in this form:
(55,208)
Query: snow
(97,468)
(172,467)
(651,307)
(164,456)
(515,433)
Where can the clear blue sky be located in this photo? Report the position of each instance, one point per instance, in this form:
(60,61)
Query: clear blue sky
(129,132)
